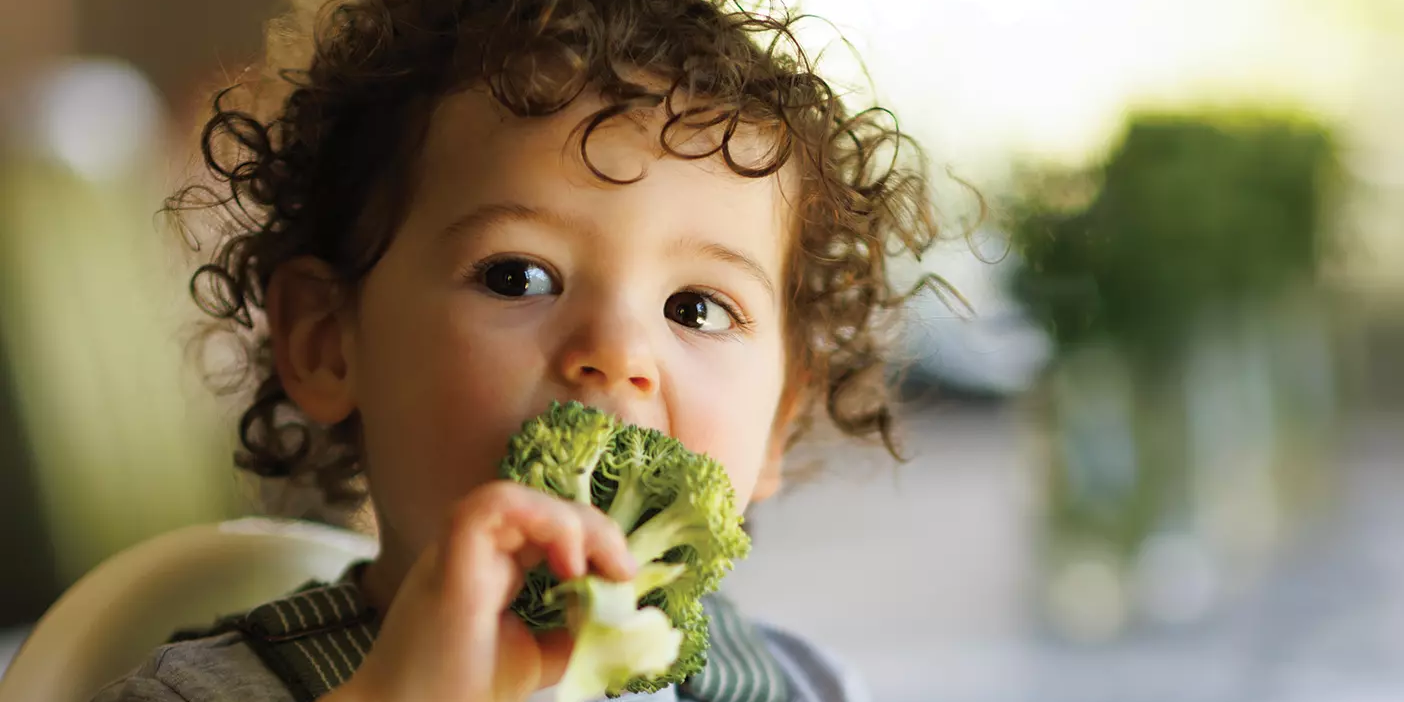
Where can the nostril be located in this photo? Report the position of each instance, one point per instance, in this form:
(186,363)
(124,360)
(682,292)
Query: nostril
(641,383)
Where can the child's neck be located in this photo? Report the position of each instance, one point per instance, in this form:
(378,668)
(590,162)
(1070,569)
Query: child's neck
(380,580)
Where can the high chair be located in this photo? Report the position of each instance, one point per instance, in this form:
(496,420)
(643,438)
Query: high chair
(113,617)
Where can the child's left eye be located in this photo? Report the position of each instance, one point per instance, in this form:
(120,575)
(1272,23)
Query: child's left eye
(696,310)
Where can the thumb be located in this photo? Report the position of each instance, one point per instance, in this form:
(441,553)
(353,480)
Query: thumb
(556,646)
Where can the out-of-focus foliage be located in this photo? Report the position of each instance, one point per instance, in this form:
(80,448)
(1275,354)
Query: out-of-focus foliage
(1187,212)
(1190,389)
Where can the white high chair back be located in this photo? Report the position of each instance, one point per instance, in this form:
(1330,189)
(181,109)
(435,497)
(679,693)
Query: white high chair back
(112,618)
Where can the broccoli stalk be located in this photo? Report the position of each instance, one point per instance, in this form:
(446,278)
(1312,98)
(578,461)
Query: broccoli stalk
(637,457)
(698,523)
(677,509)
(615,639)
(687,499)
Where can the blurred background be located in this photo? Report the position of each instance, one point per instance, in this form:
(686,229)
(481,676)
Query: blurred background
(1160,458)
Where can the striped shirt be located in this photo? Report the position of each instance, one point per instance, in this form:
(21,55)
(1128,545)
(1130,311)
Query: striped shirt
(299,648)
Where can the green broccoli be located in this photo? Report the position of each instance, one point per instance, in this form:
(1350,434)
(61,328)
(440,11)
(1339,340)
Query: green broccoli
(679,513)
(615,640)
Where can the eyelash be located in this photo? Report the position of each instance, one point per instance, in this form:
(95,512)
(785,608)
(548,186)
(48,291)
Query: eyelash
(475,272)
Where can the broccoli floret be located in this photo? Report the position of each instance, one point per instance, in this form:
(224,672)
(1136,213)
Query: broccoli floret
(685,609)
(678,511)
(697,523)
(559,451)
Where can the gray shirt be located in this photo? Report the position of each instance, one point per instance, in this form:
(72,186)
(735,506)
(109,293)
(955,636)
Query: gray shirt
(224,667)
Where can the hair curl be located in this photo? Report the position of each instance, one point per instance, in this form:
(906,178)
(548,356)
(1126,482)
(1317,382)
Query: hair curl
(342,106)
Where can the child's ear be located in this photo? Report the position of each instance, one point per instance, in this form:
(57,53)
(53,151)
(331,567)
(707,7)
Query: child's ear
(305,318)
(772,473)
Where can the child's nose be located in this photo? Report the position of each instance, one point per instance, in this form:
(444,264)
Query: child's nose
(610,356)
(587,375)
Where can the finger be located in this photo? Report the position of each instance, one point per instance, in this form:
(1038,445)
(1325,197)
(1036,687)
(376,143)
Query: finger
(530,556)
(517,524)
(522,523)
(557,530)
(571,535)
(492,532)
(605,545)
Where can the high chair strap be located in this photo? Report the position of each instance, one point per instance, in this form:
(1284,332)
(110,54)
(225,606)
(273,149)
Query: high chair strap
(314,640)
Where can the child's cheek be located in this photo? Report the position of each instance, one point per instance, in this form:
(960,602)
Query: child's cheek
(727,410)
(444,410)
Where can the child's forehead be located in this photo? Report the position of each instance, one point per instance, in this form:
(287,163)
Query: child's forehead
(477,154)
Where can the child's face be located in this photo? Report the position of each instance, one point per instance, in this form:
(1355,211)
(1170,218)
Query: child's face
(518,278)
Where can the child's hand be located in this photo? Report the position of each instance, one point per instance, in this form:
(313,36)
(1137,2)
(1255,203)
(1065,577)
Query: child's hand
(449,635)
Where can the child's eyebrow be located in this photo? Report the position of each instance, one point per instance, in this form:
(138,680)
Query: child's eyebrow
(726,254)
(503,212)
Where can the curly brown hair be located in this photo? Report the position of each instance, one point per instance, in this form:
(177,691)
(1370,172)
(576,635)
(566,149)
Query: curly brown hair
(341,110)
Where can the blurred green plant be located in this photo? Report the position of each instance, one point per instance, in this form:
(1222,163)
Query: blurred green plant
(1189,211)
(1188,388)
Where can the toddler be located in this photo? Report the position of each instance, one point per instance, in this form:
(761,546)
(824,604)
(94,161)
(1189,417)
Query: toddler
(447,214)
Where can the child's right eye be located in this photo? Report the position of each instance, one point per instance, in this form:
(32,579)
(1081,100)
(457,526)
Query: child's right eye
(515,277)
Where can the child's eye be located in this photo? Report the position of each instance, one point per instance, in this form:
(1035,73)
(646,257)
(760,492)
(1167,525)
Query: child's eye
(699,311)
(515,277)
